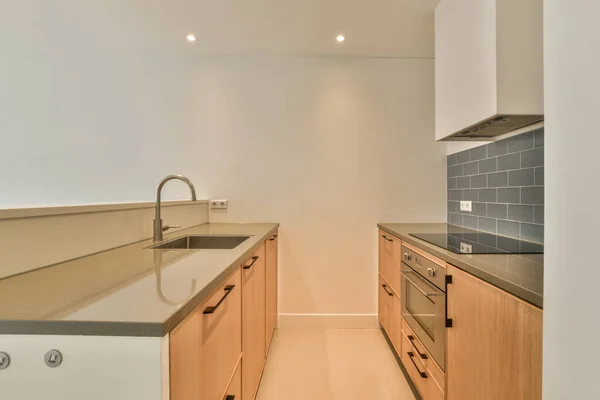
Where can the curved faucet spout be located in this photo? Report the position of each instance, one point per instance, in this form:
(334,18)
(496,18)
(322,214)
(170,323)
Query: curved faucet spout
(158,225)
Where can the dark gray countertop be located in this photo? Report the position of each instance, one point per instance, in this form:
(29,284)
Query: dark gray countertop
(128,291)
(521,275)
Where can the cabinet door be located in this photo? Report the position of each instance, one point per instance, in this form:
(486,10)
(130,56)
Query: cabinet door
(253,322)
(206,347)
(494,349)
(389,259)
(271,294)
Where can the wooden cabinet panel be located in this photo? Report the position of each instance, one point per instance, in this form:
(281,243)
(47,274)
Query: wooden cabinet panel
(390,314)
(234,391)
(415,367)
(431,366)
(395,322)
(271,284)
(389,259)
(253,322)
(206,346)
(385,304)
(494,349)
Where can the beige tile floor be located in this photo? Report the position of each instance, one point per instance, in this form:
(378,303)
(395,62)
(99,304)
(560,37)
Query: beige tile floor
(332,364)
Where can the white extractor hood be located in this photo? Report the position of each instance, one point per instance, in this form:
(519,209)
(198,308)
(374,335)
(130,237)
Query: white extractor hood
(488,67)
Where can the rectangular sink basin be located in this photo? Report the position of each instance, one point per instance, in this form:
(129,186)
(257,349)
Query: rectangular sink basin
(203,242)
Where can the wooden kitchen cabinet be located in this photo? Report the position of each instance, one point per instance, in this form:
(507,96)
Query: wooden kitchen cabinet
(390,260)
(271,288)
(494,348)
(206,346)
(389,313)
(253,322)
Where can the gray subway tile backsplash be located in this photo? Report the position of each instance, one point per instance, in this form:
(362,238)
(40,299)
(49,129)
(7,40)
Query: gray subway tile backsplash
(488,165)
(538,138)
(520,142)
(451,183)
(498,211)
(509,195)
(532,233)
(521,177)
(463,157)
(494,149)
(498,179)
(508,228)
(479,209)
(538,215)
(532,158)
(479,181)
(470,194)
(539,176)
(521,213)
(455,171)
(479,153)
(532,195)
(456,219)
(471,168)
(456,195)
(470,221)
(487,225)
(505,182)
(487,195)
(510,161)
(463,182)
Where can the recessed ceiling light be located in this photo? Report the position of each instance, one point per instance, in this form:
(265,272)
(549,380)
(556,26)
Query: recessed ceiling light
(340,38)
(191,37)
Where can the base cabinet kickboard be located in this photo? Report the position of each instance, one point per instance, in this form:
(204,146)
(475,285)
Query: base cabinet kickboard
(486,321)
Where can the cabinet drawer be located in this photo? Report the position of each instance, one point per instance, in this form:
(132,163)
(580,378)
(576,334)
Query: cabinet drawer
(389,259)
(206,346)
(432,367)
(415,367)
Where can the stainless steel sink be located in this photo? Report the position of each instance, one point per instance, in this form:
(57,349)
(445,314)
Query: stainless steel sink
(203,242)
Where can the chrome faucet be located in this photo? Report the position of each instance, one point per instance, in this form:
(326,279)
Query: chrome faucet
(159,228)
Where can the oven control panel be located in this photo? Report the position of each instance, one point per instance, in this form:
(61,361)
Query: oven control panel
(424,267)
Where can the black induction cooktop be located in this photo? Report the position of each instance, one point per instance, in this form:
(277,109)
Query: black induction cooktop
(480,243)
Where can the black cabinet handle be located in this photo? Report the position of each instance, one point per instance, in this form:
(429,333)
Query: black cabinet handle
(230,397)
(412,340)
(385,288)
(411,355)
(212,309)
(252,263)
(386,238)
(273,238)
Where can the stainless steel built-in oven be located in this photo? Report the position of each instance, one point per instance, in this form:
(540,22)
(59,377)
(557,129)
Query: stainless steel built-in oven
(424,302)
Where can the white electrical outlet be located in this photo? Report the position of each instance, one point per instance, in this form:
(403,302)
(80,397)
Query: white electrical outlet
(466,248)
(466,206)
(219,204)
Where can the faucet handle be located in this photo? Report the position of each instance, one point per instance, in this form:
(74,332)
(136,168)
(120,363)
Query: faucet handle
(166,227)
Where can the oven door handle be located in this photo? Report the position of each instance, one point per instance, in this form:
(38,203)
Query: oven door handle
(424,293)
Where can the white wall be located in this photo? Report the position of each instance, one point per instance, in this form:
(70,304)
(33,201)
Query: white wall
(572,84)
(327,147)
(98,107)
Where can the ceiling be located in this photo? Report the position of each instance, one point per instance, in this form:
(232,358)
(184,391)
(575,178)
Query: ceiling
(373,28)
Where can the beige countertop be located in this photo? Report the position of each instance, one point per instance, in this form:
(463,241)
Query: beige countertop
(128,291)
(522,275)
